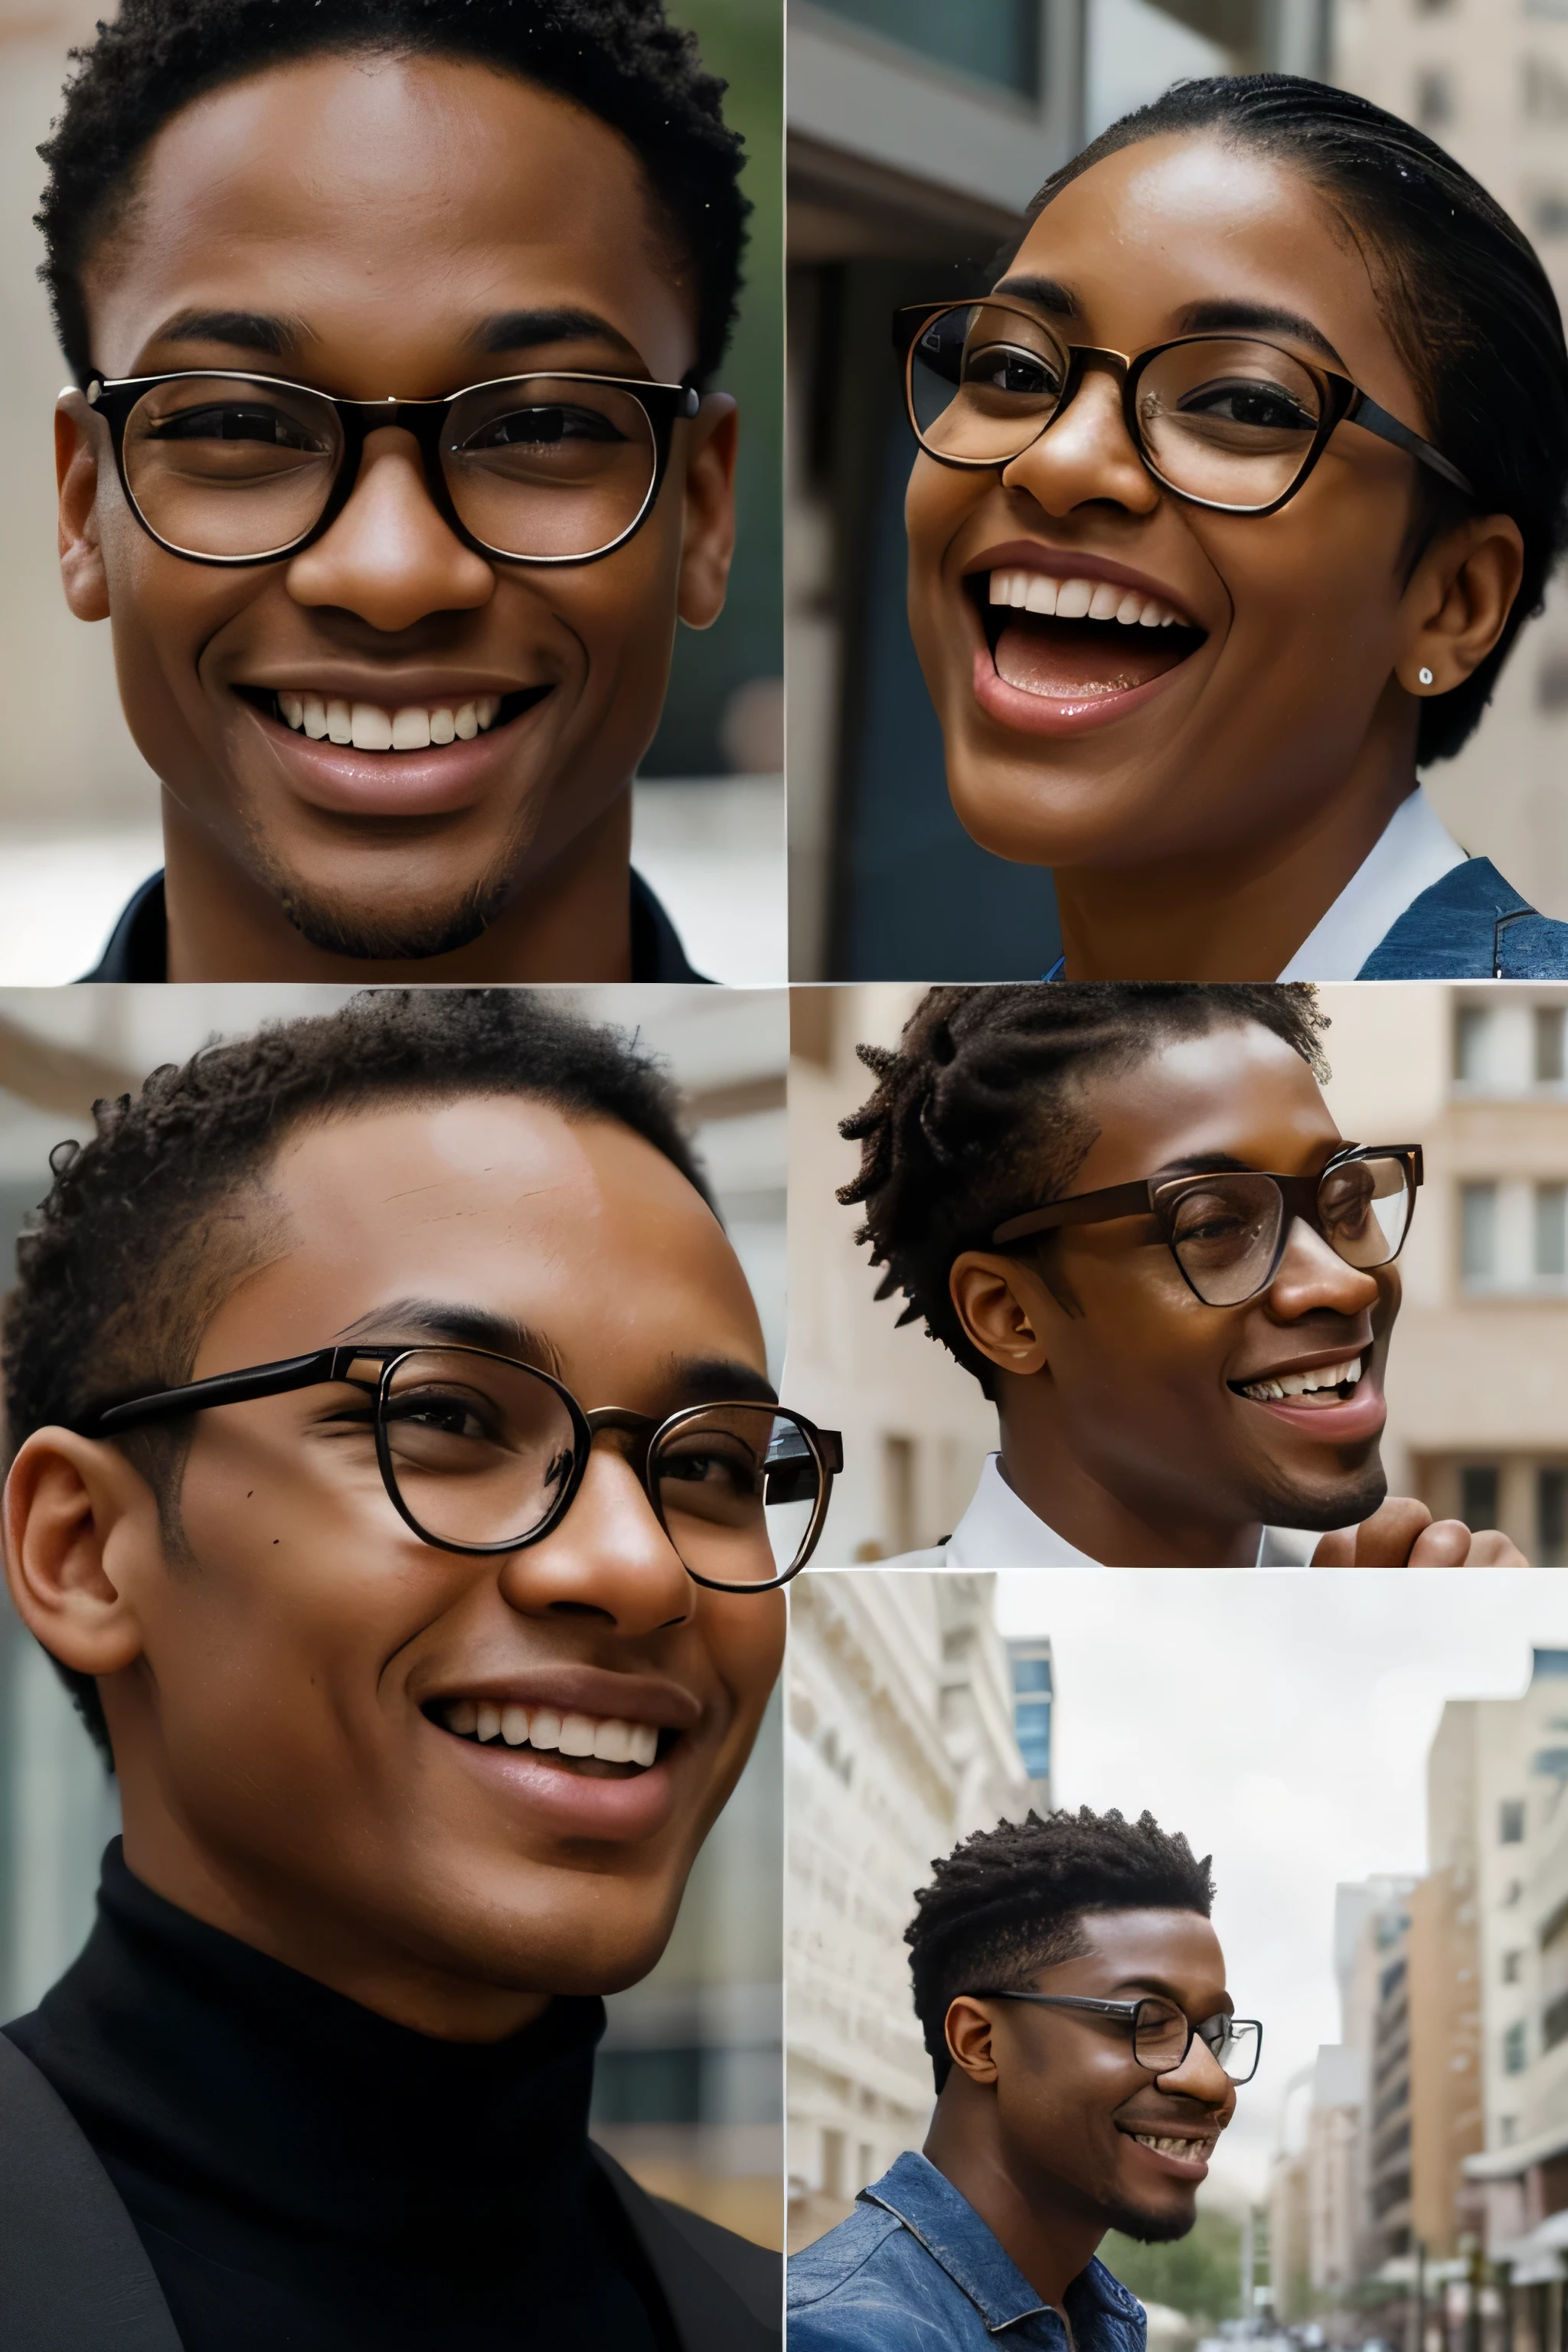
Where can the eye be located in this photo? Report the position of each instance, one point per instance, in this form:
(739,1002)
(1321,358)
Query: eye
(534,427)
(241,421)
(1006,368)
(447,1415)
(1257,407)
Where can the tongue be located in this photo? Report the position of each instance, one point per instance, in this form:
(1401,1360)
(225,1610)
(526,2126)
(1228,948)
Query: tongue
(1072,660)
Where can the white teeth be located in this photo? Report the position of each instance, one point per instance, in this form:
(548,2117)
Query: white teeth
(410,731)
(413,727)
(645,1743)
(441,728)
(1150,615)
(577,1734)
(340,723)
(611,1738)
(293,711)
(467,721)
(1103,603)
(613,1741)
(1188,2150)
(1294,1384)
(1040,594)
(372,728)
(545,1728)
(464,1716)
(315,718)
(487,1724)
(514,1726)
(1076,600)
(1130,608)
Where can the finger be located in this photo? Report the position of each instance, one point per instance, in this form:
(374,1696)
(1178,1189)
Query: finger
(1444,1544)
(1489,1548)
(1336,1549)
(1384,1540)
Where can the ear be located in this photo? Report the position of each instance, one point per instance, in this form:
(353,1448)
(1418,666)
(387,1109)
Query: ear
(1458,599)
(76,469)
(707,535)
(1004,1309)
(76,1517)
(968,2029)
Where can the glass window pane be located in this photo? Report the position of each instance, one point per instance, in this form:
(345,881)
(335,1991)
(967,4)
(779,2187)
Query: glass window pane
(1552,1518)
(996,41)
(1470,1030)
(1549,1045)
(1477,1232)
(1478,1485)
(1551,1230)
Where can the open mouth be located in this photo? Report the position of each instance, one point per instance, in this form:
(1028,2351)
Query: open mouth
(604,1747)
(1327,1384)
(1074,640)
(1185,2151)
(370,727)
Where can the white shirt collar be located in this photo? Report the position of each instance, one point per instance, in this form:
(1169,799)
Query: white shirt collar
(999,1530)
(1414,850)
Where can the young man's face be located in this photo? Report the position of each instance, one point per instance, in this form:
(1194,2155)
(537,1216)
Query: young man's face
(1076,2114)
(1152,1392)
(372,226)
(282,1735)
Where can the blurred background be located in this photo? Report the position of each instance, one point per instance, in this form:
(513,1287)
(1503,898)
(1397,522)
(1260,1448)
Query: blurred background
(1478,1372)
(918,132)
(687,2092)
(1377,1769)
(79,808)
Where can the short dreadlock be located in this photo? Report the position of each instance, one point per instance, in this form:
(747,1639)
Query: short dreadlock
(152,1223)
(1011,1901)
(617,58)
(978,1113)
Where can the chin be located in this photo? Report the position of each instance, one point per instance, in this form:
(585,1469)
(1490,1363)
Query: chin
(409,935)
(1341,1501)
(1152,2229)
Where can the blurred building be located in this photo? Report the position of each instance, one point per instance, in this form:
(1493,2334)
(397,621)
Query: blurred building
(689,2089)
(1034,1692)
(1447,1969)
(900,1743)
(1490,84)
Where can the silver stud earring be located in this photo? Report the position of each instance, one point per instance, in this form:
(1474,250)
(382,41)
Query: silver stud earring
(1425,676)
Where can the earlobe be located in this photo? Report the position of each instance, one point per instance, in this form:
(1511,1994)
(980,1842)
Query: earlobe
(83,574)
(1463,591)
(70,1508)
(999,1304)
(968,2029)
(708,540)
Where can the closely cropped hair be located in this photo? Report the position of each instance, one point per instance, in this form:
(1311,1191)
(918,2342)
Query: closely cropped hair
(978,1112)
(1011,1901)
(1468,305)
(617,58)
(150,1223)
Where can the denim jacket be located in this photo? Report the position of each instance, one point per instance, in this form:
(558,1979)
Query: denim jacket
(915,2269)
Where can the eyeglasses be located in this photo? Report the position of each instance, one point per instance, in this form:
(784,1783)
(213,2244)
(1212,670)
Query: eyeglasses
(1227,1232)
(1223,421)
(1161,2035)
(481,1453)
(225,467)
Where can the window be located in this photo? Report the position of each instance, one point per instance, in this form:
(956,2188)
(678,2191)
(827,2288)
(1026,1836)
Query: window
(1513,2049)
(1477,1232)
(1550,1025)
(1032,1674)
(1434,98)
(1545,90)
(1513,1963)
(1511,1822)
(1478,1485)
(1472,1028)
(1550,210)
(1551,1518)
(1552,1232)
(1032,1727)
(999,43)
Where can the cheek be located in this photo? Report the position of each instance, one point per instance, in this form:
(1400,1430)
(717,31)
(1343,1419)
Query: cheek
(744,1635)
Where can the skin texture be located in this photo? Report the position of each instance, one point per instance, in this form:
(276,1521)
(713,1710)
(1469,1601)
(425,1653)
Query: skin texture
(1121,1426)
(1035,2125)
(454,194)
(1202,832)
(266,1694)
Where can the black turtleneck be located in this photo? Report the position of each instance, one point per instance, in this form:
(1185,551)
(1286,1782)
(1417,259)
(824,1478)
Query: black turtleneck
(307,2176)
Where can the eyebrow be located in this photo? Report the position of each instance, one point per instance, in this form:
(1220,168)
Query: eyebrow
(1256,318)
(1168,1991)
(525,330)
(1045,293)
(715,1380)
(245,331)
(277,335)
(461,1326)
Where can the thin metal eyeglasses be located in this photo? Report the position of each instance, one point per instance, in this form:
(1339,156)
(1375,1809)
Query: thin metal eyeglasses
(1227,1230)
(1161,2033)
(1228,422)
(225,468)
(481,1453)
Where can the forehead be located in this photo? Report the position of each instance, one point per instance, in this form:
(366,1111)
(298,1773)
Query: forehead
(1237,1090)
(388,204)
(1132,1944)
(574,1227)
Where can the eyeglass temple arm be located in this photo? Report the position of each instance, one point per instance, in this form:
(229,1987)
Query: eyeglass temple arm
(1089,1208)
(1365,412)
(228,1388)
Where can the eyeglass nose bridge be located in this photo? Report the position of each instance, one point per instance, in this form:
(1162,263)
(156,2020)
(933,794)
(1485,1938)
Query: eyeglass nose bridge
(1083,358)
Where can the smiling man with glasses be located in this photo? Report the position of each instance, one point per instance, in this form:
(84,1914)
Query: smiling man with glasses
(389,458)
(1126,1209)
(399,1490)
(1086,2058)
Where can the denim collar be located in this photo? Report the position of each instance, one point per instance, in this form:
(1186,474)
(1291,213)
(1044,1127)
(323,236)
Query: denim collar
(953,2234)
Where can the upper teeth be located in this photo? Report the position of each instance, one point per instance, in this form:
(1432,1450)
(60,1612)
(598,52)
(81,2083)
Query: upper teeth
(369,728)
(610,1738)
(1188,2150)
(1289,1384)
(1082,600)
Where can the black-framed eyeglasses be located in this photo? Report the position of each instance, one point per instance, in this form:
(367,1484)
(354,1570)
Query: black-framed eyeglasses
(1162,2034)
(480,1453)
(221,467)
(1228,422)
(1227,1230)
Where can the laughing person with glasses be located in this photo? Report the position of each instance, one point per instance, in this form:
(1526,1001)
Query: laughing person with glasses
(399,1492)
(1087,2057)
(1127,1211)
(1230,500)
(388,458)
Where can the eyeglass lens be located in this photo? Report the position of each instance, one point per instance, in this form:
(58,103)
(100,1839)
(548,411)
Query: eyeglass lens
(481,1450)
(1224,419)
(1225,1229)
(542,467)
(1161,2037)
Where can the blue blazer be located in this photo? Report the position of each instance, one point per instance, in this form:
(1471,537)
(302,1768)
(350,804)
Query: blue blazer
(1472,925)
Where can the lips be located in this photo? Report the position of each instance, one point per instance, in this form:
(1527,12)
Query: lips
(1074,645)
(1335,1399)
(432,779)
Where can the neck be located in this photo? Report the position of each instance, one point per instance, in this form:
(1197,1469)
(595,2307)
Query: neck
(1049,2238)
(1238,912)
(1124,1527)
(570,922)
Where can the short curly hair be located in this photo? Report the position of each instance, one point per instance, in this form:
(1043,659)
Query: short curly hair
(1011,1901)
(619,59)
(978,1112)
(151,1224)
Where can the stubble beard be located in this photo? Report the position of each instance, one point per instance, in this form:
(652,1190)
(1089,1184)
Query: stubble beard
(339,927)
(1151,2228)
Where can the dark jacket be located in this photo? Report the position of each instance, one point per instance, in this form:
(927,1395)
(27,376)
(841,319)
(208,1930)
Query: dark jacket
(74,2276)
(1471,925)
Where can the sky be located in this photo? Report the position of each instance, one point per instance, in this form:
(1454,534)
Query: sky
(1282,1722)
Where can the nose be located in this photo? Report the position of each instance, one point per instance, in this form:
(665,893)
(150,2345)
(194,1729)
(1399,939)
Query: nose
(1086,455)
(390,557)
(608,1559)
(1201,2076)
(1311,1276)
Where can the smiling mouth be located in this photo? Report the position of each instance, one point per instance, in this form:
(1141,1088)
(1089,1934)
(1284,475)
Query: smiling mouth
(602,1747)
(1185,2151)
(1073,640)
(1327,1384)
(371,727)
